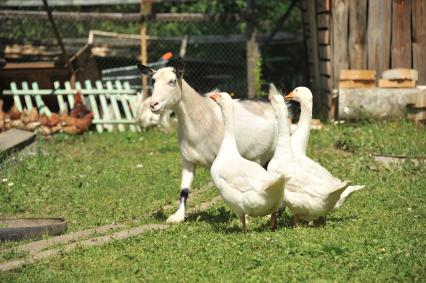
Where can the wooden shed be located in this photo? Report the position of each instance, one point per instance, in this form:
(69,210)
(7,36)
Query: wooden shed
(361,34)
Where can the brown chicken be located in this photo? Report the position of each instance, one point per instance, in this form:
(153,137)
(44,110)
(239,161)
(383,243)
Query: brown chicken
(30,119)
(14,120)
(51,121)
(50,125)
(79,110)
(14,113)
(2,117)
(77,125)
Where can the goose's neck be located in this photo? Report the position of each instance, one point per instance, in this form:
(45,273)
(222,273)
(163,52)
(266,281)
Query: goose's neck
(305,115)
(229,144)
(283,147)
(301,136)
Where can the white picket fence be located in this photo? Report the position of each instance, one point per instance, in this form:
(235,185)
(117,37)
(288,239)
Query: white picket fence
(113,104)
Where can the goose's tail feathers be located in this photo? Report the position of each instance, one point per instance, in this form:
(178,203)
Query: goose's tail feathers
(346,194)
(275,185)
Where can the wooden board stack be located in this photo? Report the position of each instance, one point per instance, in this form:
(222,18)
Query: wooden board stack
(416,108)
(399,78)
(357,79)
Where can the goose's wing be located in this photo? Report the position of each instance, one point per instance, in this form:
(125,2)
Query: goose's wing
(306,179)
(244,175)
(317,169)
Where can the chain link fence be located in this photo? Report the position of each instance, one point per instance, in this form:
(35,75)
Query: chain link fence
(214,50)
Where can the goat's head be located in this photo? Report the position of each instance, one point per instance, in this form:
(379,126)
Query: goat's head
(167,85)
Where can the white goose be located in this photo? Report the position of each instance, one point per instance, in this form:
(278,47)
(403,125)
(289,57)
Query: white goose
(245,186)
(309,194)
(300,136)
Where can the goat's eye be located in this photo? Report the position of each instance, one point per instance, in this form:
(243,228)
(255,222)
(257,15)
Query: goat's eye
(153,81)
(172,82)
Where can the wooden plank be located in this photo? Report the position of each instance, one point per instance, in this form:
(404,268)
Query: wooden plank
(106,115)
(418,101)
(401,34)
(311,5)
(326,84)
(122,17)
(70,95)
(42,108)
(70,91)
(116,109)
(357,75)
(27,97)
(324,37)
(14,139)
(357,35)
(94,106)
(340,20)
(400,74)
(379,34)
(357,84)
(325,52)
(92,242)
(325,68)
(397,83)
(323,6)
(16,98)
(419,38)
(61,102)
(125,103)
(55,3)
(37,246)
(323,21)
(126,86)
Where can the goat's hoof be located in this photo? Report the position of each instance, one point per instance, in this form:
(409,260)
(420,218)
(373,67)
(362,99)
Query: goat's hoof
(178,217)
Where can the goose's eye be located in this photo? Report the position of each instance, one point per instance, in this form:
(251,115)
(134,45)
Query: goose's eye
(172,83)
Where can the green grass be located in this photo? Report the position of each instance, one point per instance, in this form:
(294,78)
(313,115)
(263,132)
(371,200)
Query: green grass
(378,235)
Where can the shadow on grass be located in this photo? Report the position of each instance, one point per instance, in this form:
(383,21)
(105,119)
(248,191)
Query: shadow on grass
(221,220)
(159,215)
(340,219)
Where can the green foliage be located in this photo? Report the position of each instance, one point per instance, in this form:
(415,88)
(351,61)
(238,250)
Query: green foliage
(93,180)
(259,78)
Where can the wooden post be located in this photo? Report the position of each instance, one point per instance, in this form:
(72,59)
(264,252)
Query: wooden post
(379,35)
(419,39)
(252,51)
(60,43)
(357,35)
(145,10)
(316,84)
(401,34)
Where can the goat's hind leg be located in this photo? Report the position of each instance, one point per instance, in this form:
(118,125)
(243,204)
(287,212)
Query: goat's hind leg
(188,173)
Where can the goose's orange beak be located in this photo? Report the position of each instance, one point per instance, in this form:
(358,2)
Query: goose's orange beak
(214,96)
(289,96)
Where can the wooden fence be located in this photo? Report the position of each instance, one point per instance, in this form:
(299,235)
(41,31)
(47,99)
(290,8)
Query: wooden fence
(361,34)
(112,105)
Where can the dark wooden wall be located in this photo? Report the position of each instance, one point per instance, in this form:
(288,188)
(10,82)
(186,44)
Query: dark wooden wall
(361,34)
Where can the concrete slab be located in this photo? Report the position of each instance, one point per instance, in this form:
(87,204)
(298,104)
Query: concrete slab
(375,102)
(15,139)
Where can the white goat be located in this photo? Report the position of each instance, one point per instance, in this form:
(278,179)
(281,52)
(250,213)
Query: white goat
(200,126)
(146,119)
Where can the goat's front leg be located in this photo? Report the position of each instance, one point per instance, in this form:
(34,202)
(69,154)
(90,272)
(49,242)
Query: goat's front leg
(188,172)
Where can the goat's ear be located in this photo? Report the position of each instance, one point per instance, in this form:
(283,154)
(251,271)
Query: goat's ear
(179,66)
(145,70)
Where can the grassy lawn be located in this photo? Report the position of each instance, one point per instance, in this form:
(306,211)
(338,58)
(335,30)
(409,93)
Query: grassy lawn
(93,180)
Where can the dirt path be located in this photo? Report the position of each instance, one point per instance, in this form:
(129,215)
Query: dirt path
(42,249)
